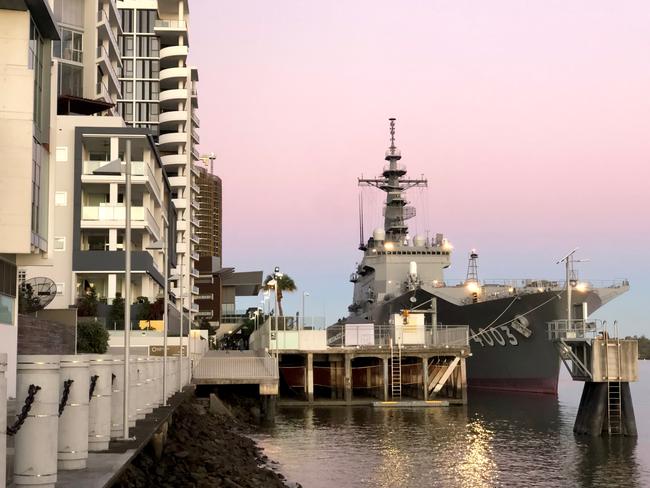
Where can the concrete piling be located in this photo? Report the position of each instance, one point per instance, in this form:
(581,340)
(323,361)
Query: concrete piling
(73,420)
(99,414)
(36,442)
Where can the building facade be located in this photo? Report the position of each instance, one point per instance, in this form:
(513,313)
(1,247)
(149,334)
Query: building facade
(210,214)
(28,30)
(160,93)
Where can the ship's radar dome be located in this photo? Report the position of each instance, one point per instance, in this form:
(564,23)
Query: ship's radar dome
(419,241)
(379,234)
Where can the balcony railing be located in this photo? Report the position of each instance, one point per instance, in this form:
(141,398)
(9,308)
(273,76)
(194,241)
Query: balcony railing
(102,91)
(138,168)
(170,24)
(117,212)
(103,18)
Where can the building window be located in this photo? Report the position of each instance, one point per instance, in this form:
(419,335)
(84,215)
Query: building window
(70,47)
(22,276)
(127,70)
(35,62)
(59,243)
(71,79)
(148,47)
(125,109)
(126,46)
(127,20)
(146,90)
(61,198)
(146,20)
(127,89)
(147,68)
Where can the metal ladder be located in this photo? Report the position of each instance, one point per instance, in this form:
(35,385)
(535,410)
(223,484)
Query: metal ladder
(396,371)
(614,407)
(614,420)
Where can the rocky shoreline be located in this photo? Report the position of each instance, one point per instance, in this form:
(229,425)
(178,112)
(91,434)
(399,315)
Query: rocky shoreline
(205,449)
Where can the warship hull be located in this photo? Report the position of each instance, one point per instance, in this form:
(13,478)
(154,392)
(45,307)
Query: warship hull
(508,353)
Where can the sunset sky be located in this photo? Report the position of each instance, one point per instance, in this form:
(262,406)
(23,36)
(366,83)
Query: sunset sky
(531,121)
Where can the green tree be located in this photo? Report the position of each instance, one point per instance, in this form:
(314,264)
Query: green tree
(92,338)
(284,283)
(87,303)
(27,302)
(116,314)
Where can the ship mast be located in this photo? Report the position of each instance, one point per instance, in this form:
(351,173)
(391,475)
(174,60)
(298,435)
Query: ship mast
(394,184)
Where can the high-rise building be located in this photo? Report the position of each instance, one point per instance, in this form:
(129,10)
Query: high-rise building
(209,214)
(160,93)
(88,56)
(28,30)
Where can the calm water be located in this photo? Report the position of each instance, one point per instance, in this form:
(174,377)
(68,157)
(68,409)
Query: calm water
(498,440)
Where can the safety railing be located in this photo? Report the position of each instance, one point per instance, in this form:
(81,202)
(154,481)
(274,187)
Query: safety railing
(376,335)
(227,367)
(170,24)
(574,329)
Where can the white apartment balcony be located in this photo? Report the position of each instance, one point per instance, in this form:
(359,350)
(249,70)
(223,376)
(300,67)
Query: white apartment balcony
(195,256)
(172,119)
(195,290)
(170,56)
(182,225)
(194,238)
(115,17)
(104,61)
(171,160)
(195,136)
(140,171)
(169,99)
(195,188)
(171,140)
(195,222)
(102,93)
(195,118)
(195,153)
(195,205)
(105,31)
(178,181)
(180,248)
(195,171)
(179,203)
(171,77)
(113,216)
(195,308)
(169,28)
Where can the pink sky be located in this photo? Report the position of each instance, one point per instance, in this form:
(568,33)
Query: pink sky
(530,119)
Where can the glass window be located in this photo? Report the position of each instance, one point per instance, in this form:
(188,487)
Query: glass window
(127,70)
(127,89)
(7,309)
(127,20)
(70,79)
(126,46)
(35,62)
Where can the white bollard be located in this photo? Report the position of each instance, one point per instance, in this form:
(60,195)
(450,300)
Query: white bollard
(133,391)
(99,418)
(159,381)
(35,444)
(73,422)
(117,398)
(141,387)
(3,419)
(148,365)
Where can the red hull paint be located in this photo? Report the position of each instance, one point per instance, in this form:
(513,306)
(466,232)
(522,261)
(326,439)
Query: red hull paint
(546,386)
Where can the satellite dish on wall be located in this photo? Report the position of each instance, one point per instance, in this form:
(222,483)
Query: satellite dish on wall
(41,292)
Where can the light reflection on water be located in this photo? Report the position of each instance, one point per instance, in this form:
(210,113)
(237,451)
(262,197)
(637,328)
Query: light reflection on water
(497,440)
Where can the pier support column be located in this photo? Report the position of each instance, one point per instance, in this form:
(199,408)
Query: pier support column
(425,378)
(463,380)
(334,384)
(384,360)
(348,378)
(309,386)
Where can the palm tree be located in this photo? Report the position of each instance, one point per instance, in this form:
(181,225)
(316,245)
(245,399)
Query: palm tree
(284,283)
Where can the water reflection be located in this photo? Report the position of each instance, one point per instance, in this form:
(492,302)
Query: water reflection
(497,440)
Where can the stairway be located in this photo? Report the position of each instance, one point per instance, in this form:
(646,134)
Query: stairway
(396,372)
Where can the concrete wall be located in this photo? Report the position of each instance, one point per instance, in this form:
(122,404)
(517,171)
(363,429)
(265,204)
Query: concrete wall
(16,129)
(39,336)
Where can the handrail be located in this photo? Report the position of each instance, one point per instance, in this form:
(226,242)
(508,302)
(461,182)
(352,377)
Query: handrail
(170,24)
(102,16)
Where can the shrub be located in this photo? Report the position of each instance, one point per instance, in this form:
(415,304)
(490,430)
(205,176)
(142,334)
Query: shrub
(87,303)
(92,337)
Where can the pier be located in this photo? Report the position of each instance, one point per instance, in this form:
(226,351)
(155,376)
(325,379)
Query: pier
(367,364)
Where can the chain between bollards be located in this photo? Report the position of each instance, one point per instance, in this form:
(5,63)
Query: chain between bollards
(31,394)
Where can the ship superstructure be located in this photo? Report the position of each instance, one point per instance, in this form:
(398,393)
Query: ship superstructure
(507,318)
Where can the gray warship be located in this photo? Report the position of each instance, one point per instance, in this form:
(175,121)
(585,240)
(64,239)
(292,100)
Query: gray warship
(507,319)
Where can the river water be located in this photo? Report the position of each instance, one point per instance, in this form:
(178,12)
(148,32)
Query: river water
(497,440)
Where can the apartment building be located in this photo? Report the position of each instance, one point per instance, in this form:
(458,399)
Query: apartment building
(88,56)
(160,93)
(210,214)
(88,231)
(28,30)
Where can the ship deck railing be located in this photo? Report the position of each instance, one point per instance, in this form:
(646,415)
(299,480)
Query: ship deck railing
(576,329)
(529,285)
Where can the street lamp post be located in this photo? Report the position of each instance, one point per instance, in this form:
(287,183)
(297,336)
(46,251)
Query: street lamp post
(304,294)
